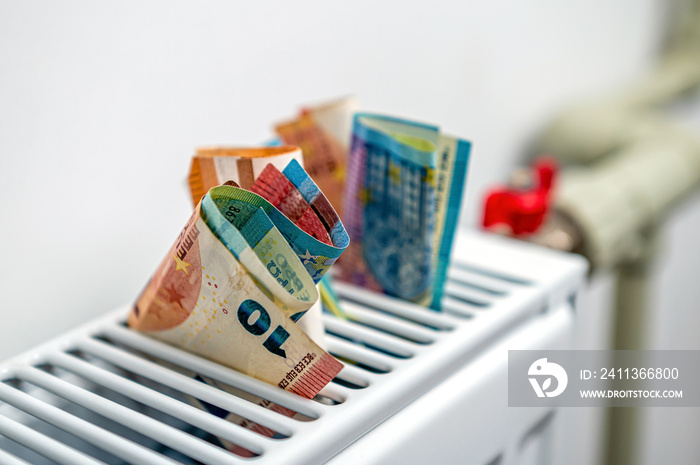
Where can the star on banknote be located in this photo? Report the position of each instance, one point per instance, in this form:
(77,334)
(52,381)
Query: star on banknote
(394,172)
(429,177)
(181,264)
(174,295)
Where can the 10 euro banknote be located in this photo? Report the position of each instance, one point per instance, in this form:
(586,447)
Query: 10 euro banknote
(233,286)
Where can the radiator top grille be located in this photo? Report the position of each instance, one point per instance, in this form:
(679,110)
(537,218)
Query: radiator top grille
(106,394)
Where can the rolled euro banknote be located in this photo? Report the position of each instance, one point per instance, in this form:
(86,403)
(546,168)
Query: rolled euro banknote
(231,289)
(403,192)
(292,193)
(291,198)
(212,166)
(295,194)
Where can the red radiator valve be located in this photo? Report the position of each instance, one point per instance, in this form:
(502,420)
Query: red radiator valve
(523,206)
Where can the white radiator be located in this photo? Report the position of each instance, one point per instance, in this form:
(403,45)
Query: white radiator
(425,387)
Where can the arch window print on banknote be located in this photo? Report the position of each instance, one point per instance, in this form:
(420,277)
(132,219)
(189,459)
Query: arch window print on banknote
(404,185)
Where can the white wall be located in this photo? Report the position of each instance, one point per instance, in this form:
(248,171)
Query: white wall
(101,105)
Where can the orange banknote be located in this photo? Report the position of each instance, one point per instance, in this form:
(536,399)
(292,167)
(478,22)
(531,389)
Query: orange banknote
(323,133)
(213,166)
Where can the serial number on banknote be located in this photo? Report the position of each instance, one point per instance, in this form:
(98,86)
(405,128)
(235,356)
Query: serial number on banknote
(296,371)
